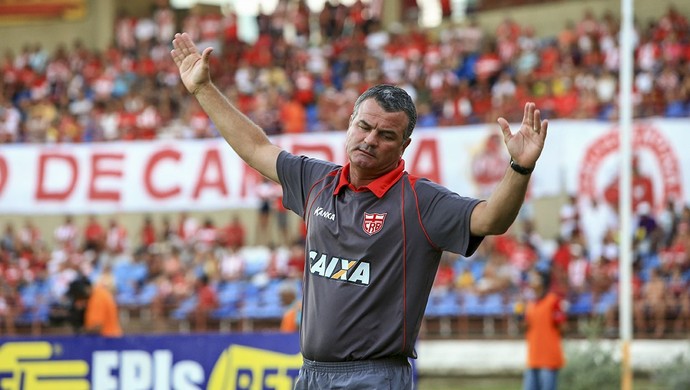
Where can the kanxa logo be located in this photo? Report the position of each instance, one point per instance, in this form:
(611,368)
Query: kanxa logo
(320,212)
(332,267)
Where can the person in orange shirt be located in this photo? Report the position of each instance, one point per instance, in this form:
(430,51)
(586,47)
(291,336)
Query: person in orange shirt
(544,321)
(293,315)
(294,116)
(99,308)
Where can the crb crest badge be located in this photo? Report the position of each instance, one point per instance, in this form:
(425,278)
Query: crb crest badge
(373,223)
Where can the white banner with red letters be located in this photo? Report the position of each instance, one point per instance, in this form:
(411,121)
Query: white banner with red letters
(580,157)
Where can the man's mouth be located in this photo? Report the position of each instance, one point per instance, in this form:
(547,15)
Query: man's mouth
(365,151)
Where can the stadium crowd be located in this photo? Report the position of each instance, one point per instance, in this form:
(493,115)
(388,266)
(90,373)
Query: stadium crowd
(195,272)
(294,79)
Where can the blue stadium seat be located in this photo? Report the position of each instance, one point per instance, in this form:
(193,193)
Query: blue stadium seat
(582,305)
(270,294)
(231,293)
(478,269)
(147,294)
(471,304)
(676,109)
(227,312)
(36,301)
(460,266)
(493,305)
(606,301)
(127,275)
(254,309)
(126,297)
(312,112)
(185,308)
(256,260)
(443,305)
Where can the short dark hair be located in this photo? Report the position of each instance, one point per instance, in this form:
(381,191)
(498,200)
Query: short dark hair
(391,99)
(545,275)
(79,288)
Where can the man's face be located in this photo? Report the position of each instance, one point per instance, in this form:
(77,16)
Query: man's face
(375,140)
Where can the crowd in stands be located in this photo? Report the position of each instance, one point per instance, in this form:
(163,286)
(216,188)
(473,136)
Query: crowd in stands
(196,273)
(186,269)
(583,264)
(300,78)
(294,79)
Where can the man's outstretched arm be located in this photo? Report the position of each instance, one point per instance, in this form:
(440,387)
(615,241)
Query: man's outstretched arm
(247,139)
(499,211)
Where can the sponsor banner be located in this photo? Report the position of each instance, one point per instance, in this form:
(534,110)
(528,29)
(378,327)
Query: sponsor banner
(580,157)
(166,362)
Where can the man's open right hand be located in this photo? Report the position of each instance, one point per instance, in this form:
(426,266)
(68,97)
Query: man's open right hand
(194,67)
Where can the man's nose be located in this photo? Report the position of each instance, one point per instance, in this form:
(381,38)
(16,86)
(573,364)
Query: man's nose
(371,138)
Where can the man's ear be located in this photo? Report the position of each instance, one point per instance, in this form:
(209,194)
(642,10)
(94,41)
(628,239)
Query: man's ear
(405,144)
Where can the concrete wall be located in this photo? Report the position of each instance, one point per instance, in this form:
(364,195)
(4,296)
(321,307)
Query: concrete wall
(549,18)
(489,357)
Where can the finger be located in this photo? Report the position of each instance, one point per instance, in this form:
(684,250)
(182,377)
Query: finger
(183,43)
(527,119)
(177,53)
(206,54)
(536,121)
(176,56)
(505,128)
(176,41)
(544,128)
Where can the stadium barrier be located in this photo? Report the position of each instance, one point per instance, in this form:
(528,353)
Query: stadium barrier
(202,361)
(242,361)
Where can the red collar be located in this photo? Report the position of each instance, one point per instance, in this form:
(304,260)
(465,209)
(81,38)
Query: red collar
(379,186)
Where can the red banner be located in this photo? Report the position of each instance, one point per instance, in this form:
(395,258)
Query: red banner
(580,157)
(18,11)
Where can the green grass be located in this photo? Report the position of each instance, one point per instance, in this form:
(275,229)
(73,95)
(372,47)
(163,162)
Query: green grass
(469,383)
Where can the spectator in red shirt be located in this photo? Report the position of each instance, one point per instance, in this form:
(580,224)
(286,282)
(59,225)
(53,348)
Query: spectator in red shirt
(560,261)
(94,235)
(148,232)
(206,235)
(296,263)
(207,301)
(522,257)
(234,234)
(566,99)
(488,64)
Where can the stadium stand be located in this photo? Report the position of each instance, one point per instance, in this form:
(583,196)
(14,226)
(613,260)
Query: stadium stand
(463,75)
